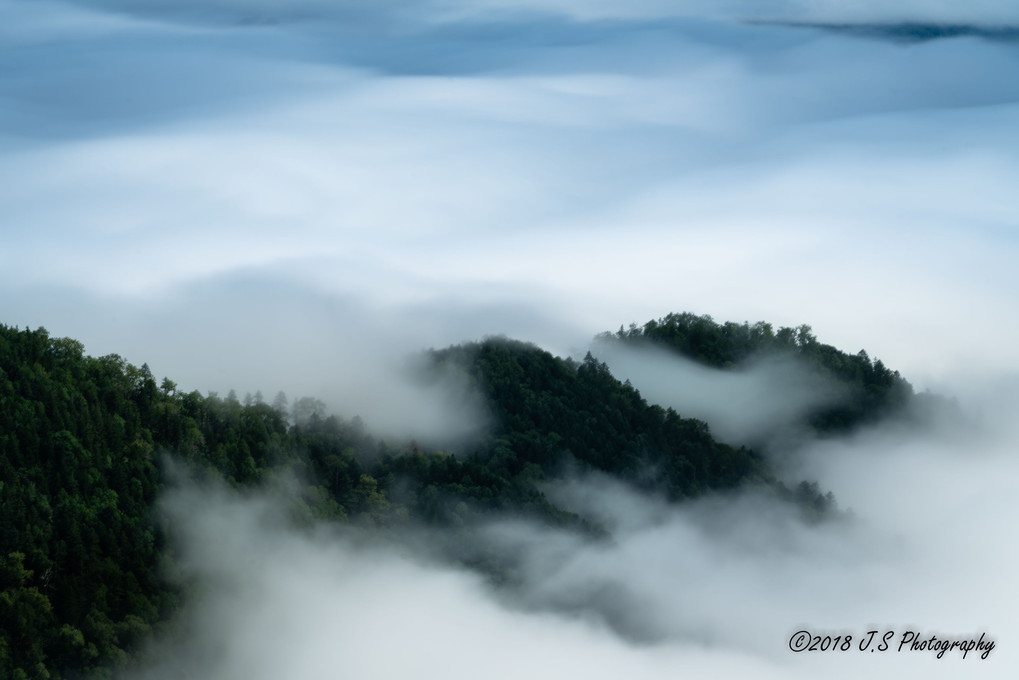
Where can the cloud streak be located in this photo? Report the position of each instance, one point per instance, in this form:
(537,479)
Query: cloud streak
(984,12)
(766,398)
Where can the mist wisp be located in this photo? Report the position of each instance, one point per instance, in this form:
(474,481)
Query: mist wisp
(762,399)
(715,587)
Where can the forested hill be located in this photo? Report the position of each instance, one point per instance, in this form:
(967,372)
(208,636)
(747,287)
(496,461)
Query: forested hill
(552,412)
(83,439)
(874,391)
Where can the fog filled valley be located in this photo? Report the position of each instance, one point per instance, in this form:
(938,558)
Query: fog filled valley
(508,338)
(163,534)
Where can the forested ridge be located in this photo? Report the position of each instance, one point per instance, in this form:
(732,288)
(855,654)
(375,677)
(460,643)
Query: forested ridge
(83,441)
(874,390)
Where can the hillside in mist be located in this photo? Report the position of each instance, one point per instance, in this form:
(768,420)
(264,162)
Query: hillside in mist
(90,446)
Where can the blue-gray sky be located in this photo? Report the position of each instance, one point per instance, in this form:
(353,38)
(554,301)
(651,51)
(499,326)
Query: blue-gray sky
(246,194)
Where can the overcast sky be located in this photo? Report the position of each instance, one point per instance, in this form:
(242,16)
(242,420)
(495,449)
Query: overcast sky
(294,194)
(247,194)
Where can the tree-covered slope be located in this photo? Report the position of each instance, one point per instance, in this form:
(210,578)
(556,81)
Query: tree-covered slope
(873,391)
(83,442)
(553,412)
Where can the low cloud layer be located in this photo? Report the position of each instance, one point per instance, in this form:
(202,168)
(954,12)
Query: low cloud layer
(282,604)
(714,588)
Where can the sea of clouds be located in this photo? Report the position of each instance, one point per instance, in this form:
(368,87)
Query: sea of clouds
(294,196)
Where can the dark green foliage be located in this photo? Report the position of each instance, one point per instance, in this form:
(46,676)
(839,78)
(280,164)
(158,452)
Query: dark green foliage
(874,391)
(552,413)
(82,439)
(77,480)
